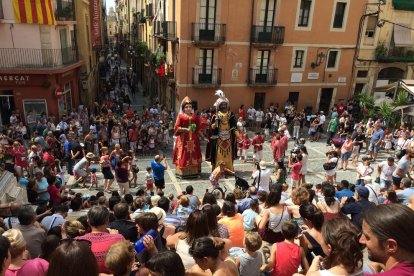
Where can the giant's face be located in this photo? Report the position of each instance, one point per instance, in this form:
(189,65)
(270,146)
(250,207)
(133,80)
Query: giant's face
(223,107)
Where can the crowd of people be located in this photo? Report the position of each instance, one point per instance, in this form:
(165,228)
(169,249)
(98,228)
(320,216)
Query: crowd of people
(278,225)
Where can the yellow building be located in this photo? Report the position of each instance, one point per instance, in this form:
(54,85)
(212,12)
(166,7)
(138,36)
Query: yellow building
(385,50)
(111,26)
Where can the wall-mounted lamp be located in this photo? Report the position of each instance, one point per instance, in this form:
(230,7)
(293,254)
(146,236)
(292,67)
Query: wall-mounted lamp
(319,59)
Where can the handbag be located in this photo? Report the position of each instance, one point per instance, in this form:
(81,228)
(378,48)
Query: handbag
(269,235)
(329,166)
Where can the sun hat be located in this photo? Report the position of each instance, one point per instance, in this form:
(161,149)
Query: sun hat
(362,191)
(160,213)
(90,155)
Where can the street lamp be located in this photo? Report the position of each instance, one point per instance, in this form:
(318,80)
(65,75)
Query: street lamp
(319,59)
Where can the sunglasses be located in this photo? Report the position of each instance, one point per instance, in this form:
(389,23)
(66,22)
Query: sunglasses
(69,240)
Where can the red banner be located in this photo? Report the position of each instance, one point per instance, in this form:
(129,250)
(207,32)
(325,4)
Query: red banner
(95,10)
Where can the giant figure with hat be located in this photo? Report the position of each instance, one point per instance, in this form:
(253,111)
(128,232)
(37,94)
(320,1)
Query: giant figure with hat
(187,153)
(222,146)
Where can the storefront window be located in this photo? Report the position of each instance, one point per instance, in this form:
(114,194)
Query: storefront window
(34,110)
(65,103)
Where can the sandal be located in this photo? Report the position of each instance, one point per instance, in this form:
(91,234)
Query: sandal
(266,253)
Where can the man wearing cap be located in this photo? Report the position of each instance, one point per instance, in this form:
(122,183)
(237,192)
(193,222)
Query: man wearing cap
(356,208)
(81,169)
(262,176)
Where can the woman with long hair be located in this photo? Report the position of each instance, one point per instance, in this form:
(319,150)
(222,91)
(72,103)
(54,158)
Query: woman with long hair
(167,263)
(215,229)
(196,227)
(329,205)
(304,170)
(270,226)
(342,249)
(311,239)
(206,253)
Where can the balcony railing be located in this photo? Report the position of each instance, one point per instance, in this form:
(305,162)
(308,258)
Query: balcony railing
(396,55)
(204,78)
(36,58)
(148,10)
(267,35)
(262,77)
(165,29)
(64,10)
(211,33)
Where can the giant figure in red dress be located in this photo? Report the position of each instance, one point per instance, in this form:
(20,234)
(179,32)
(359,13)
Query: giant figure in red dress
(187,154)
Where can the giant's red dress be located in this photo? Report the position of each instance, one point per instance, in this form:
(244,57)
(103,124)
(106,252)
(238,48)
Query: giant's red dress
(187,154)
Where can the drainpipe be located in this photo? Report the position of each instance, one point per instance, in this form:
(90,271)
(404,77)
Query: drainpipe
(250,42)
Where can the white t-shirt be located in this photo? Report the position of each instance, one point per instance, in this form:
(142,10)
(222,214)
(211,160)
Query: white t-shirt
(259,116)
(386,171)
(283,120)
(365,171)
(374,190)
(332,172)
(264,179)
(322,119)
(251,112)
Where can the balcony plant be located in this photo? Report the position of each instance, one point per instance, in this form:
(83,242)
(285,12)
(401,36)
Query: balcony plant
(381,50)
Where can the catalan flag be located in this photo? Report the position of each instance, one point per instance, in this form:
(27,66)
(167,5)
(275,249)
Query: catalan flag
(34,12)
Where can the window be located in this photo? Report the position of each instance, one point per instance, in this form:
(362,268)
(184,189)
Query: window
(65,102)
(267,11)
(1,10)
(362,73)
(371,26)
(206,60)
(208,13)
(339,15)
(304,13)
(34,109)
(298,62)
(262,60)
(359,87)
(332,59)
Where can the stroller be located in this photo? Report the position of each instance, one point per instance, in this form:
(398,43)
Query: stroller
(241,184)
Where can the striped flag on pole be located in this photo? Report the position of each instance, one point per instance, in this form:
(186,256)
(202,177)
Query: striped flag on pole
(34,12)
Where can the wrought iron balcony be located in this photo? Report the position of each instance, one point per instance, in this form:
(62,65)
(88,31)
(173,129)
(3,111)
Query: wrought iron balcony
(270,35)
(206,78)
(210,34)
(36,58)
(64,10)
(262,77)
(165,30)
(149,11)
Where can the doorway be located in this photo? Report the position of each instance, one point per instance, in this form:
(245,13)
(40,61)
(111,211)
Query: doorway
(6,106)
(294,98)
(259,100)
(325,99)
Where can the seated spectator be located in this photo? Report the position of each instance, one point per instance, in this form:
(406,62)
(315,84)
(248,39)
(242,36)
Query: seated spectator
(170,219)
(166,263)
(18,251)
(196,227)
(343,190)
(49,246)
(206,251)
(124,226)
(250,262)
(407,192)
(245,203)
(57,219)
(76,210)
(73,258)
(215,229)
(356,208)
(36,235)
(72,229)
(249,216)
(137,207)
(120,259)
(183,210)
(193,199)
(101,240)
(328,204)
(35,267)
(5,258)
(56,194)
(234,223)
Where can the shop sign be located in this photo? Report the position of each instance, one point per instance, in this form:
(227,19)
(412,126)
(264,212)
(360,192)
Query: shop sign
(58,93)
(14,79)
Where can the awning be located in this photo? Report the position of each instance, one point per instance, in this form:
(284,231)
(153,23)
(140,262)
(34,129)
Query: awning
(402,36)
(405,5)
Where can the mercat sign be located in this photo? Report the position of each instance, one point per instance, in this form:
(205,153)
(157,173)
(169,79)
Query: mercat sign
(14,79)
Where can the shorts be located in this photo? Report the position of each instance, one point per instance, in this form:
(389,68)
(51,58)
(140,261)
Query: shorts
(312,133)
(396,181)
(149,186)
(107,173)
(374,148)
(258,155)
(80,173)
(345,156)
(160,183)
(385,184)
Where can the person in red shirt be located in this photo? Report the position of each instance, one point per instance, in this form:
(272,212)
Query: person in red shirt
(47,155)
(56,194)
(257,143)
(340,108)
(133,137)
(20,157)
(242,112)
(295,165)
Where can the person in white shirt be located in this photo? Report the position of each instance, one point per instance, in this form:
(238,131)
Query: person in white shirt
(385,170)
(251,112)
(364,169)
(262,175)
(57,219)
(283,120)
(259,118)
(373,188)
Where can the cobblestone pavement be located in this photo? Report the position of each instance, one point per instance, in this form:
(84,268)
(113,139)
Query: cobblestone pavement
(175,185)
